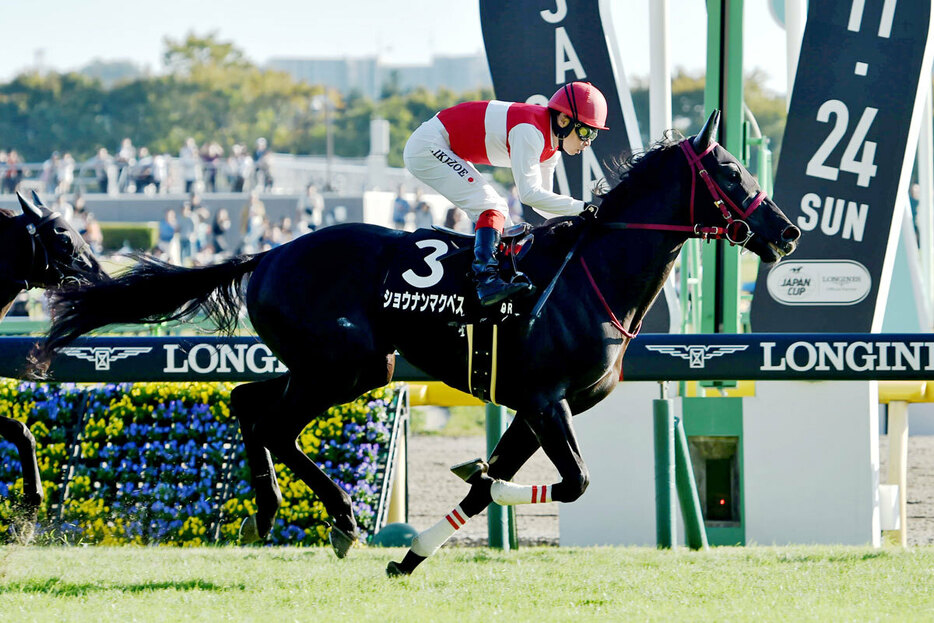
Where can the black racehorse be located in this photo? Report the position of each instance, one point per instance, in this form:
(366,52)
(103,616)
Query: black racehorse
(336,305)
(38,249)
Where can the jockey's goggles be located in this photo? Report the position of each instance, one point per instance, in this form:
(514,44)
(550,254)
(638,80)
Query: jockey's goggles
(585,132)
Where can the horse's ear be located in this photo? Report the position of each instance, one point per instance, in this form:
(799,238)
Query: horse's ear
(36,200)
(31,211)
(708,133)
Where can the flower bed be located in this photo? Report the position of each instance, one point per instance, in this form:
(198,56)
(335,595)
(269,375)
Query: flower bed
(163,463)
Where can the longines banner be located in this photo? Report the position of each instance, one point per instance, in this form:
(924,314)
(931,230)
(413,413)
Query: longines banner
(650,357)
(142,359)
(863,73)
(532,48)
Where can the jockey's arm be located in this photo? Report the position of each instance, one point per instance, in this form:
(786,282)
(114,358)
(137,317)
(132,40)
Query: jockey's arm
(534,178)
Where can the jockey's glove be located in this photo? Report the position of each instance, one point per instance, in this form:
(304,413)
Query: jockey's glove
(589,213)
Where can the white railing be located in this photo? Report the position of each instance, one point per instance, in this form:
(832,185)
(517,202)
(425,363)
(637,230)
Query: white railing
(290,174)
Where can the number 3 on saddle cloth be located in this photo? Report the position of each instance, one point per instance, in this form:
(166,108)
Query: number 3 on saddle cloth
(429,286)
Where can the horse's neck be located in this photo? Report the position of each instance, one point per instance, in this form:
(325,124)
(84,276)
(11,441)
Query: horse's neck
(13,258)
(631,277)
(635,264)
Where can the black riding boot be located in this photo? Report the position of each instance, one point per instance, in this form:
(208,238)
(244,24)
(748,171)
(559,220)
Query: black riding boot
(490,287)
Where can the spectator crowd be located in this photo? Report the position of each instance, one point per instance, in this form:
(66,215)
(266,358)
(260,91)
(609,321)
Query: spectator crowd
(129,169)
(193,233)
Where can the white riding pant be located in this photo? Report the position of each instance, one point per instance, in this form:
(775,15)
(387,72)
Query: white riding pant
(428,157)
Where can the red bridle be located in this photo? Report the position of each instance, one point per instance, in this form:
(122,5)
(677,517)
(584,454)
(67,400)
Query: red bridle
(720,199)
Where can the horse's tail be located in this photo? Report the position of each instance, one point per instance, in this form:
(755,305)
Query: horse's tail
(150,292)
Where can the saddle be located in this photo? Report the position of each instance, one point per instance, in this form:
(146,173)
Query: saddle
(515,242)
(516,232)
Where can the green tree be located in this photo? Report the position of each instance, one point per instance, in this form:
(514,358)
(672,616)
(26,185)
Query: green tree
(211,91)
(204,58)
(688,112)
(39,114)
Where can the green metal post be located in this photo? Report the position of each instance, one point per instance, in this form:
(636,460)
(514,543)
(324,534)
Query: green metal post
(665,535)
(765,165)
(497,517)
(513,528)
(724,90)
(720,418)
(694,531)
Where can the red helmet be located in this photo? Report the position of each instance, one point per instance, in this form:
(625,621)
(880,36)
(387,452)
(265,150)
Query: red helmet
(581,101)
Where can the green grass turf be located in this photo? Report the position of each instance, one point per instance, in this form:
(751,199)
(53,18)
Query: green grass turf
(466,584)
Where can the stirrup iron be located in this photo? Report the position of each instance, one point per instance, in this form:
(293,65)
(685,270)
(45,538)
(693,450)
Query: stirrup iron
(468,469)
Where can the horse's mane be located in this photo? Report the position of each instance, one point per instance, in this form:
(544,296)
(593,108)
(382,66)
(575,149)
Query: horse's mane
(635,173)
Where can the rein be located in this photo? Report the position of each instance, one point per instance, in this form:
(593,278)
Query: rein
(606,306)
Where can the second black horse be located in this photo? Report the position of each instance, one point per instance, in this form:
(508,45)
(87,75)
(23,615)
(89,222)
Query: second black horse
(38,249)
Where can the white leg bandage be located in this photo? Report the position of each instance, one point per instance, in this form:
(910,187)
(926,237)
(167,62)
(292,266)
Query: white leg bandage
(508,493)
(428,542)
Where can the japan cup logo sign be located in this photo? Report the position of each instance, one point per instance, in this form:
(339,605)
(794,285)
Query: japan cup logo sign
(824,282)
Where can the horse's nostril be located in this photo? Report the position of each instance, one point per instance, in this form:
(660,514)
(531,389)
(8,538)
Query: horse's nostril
(791,233)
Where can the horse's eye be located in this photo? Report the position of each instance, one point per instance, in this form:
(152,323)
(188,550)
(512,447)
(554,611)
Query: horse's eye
(62,236)
(733,173)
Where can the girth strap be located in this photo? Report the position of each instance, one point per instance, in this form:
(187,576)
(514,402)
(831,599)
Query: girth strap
(482,351)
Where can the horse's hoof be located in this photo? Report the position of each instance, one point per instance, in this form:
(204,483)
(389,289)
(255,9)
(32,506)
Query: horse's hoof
(249,532)
(341,541)
(467,470)
(395,570)
(24,532)
(32,502)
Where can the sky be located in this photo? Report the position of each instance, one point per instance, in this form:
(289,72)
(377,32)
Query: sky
(65,34)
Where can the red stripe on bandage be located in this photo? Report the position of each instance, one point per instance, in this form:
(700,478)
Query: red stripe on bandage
(534,493)
(544,491)
(458,516)
(492,218)
(451,521)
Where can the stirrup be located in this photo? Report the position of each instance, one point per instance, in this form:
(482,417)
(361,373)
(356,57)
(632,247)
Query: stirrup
(521,278)
(468,469)
(506,290)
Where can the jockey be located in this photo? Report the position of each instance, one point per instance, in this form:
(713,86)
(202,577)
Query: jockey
(528,138)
